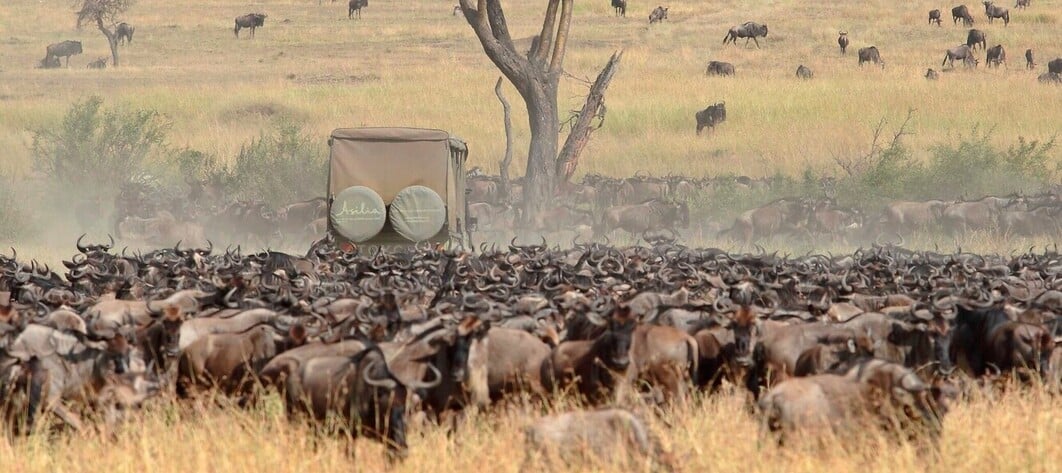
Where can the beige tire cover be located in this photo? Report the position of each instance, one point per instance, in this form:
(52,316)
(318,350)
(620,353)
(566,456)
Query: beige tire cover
(358,213)
(417,213)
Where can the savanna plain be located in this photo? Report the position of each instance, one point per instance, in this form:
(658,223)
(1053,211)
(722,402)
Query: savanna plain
(408,62)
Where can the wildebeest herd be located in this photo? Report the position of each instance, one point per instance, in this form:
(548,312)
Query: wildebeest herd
(818,342)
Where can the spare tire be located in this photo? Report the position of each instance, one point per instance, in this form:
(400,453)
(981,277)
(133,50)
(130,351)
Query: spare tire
(358,213)
(417,213)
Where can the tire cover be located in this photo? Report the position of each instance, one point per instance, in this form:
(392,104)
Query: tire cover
(358,213)
(417,213)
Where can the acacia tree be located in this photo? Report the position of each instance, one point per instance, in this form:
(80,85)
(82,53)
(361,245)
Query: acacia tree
(105,14)
(536,77)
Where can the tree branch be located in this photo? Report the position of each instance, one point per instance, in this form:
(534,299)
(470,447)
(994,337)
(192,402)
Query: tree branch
(503,167)
(504,57)
(557,62)
(594,106)
(545,38)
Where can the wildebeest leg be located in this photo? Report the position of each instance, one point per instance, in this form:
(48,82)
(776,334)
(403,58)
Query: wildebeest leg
(754,40)
(69,417)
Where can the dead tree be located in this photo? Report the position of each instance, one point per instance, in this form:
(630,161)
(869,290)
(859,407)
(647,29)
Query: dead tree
(105,14)
(536,76)
(503,167)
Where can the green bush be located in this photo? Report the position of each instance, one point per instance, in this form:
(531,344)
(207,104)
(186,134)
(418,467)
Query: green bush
(279,167)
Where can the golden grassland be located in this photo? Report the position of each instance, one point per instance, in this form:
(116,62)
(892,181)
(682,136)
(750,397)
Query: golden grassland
(1015,432)
(410,62)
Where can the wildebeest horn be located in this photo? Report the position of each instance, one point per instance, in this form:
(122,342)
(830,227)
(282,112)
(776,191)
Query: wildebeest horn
(426,384)
(386,383)
(595,319)
(108,247)
(78,244)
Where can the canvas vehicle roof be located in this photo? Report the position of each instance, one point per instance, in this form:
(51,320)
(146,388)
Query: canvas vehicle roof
(388,160)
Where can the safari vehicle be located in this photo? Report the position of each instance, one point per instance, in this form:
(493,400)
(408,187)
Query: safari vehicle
(397,186)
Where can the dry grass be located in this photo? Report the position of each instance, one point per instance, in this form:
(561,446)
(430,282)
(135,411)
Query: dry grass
(1016,433)
(411,62)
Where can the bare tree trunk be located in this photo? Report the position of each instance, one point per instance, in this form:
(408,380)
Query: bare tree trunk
(112,40)
(581,129)
(540,176)
(503,167)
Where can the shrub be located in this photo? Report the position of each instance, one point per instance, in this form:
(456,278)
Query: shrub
(279,167)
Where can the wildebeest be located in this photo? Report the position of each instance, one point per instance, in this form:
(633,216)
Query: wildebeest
(711,116)
(842,41)
(719,68)
(620,6)
(962,13)
(961,51)
(1029,64)
(931,74)
(658,14)
(611,435)
(748,30)
(653,214)
(594,367)
(124,32)
(354,8)
(996,56)
(1055,66)
(1050,77)
(986,340)
(250,20)
(1021,4)
(62,49)
(99,63)
(870,54)
(995,11)
(934,16)
(803,72)
(975,37)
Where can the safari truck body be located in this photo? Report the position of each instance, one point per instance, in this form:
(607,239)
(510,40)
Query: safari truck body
(396,186)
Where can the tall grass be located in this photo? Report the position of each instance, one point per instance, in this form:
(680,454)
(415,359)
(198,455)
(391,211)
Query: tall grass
(1014,433)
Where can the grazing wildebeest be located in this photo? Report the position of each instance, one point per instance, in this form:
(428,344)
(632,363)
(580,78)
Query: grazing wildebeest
(961,51)
(63,49)
(995,11)
(986,340)
(250,20)
(932,75)
(356,6)
(870,54)
(658,14)
(975,37)
(1050,77)
(611,435)
(934,16)
(996,56)
(1021,4)
(620,6)
(719,68)
(804,72)
(962,13)
(653,214)
(711,116)
(748,30)
(100,63)
(842,41)
(124,32)
(1055,66)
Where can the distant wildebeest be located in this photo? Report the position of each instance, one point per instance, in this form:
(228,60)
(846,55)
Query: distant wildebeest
(995,11)
(124,32)
(100,63)
(49,62)
(975,37)
(250,20)
(719,68)
(620,6)
(1029,64)
(1050,77)
(962,13)
(659,14)
(870,54)
(748,30)
(63,49)
(932,75)
(803,72)
(996,56)
(961,51)
(711,116)
(842,41)
(596,435)
(354,8)
(934,16)
(1055,66)
(1021,4)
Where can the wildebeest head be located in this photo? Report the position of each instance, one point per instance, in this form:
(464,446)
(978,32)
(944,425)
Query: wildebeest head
(470,329)
(743,322)
(615,343)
